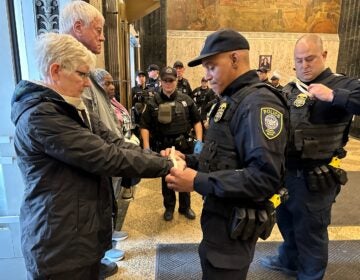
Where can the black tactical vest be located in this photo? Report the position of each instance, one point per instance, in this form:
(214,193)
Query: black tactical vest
(180,118)
(183,86)
(309,140)
(219,151)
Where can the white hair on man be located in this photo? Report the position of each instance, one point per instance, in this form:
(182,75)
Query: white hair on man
(62,49)
(77,11)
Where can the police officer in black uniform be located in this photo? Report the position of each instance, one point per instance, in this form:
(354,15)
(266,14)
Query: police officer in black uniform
(140,95)
(183,85)
(202,96)
(320,116)
(262,73)
(242,162)
(166,121)
(153,83)
(275,82)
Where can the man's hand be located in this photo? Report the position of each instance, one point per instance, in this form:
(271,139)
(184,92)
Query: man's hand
(321,92)
(181,180)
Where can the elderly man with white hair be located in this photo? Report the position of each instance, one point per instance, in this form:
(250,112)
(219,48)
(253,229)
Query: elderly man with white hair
(85,23)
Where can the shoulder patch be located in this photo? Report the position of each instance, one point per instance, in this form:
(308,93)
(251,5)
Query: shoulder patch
(272,122)
(220,111)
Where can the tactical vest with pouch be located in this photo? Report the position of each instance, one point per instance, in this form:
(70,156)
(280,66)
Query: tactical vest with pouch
(172,117)
(309,140)
(247,219)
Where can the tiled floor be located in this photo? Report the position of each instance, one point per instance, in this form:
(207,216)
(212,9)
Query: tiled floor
(146,227)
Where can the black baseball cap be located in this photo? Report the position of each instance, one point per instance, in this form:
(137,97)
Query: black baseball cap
(274,78)
(153,67)
(221,41)
(203,79)
(168,72)
(178,63)
(140,72)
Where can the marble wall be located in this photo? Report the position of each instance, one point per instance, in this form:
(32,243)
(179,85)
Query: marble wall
(186,45)
(153,37)
(349,33)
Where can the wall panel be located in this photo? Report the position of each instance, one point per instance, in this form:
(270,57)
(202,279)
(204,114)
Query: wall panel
(186,45)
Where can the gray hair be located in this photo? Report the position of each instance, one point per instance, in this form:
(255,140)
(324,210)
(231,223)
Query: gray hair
(62,49)
(75,11)
(98,75)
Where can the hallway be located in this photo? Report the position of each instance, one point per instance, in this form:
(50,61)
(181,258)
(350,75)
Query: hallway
(146,227)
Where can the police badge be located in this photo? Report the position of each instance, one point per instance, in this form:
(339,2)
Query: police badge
(300,100)
(271,122)
(220,111)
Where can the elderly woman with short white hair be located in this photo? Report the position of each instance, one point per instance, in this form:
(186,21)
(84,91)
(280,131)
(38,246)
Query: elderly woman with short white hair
(66,157)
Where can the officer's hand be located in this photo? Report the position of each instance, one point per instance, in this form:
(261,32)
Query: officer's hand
(167,151)
(181,180)
(321,92)
(198,147)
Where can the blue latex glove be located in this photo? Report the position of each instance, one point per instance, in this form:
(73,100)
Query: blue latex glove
(198,147)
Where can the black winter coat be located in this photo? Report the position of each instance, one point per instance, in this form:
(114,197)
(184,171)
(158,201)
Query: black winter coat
(66,210)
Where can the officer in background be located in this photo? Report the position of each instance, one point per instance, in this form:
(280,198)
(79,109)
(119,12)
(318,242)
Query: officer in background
(202,96)
(168,119)
(183,85)
(262,73)
(153,84)
(242,162)
(140,95)
(276,83)
(319,131)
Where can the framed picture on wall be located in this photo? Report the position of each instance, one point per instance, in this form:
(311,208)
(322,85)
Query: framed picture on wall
(265,61)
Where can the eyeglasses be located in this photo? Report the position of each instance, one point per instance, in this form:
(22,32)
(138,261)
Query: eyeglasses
(168,81)
(84,75)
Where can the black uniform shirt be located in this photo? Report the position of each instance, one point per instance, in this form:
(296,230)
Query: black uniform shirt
(153,85)
(183,86)
(346,99)
(139,94)
(202,97)
(263,158)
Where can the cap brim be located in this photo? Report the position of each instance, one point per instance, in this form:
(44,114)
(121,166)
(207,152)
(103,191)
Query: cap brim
(165,76)
(197,61)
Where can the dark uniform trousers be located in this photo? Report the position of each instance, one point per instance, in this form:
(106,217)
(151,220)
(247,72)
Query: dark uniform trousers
(303,222)
(223,263)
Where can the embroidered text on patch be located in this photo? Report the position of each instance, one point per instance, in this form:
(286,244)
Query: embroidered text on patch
(220,112)
(271,122)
